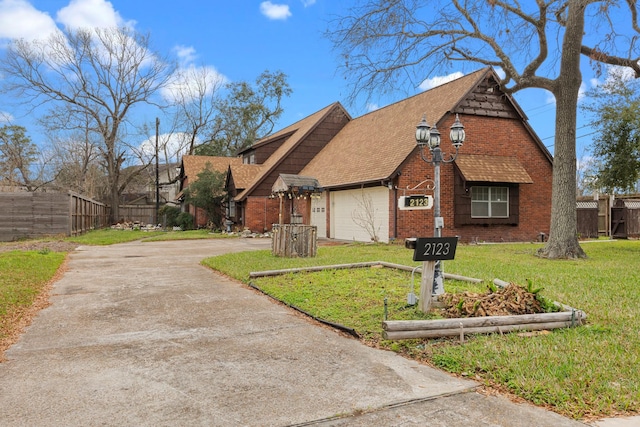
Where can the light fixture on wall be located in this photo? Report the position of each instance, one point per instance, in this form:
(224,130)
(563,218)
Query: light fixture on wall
(429,137)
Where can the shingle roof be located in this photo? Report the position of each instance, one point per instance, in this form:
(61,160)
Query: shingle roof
(372,147)
(481,168)
(193,165)
(244,175)
(298,132)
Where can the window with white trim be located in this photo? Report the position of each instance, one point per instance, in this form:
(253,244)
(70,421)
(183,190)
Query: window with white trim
(489,202)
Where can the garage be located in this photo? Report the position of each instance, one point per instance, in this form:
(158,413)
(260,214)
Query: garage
(361,215)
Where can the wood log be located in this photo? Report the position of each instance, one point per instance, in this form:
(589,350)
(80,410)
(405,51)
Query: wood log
(474,322)
(356,265)
(311,269)
(419,270)
(399,266)
(462,278)
(438,333)
(500,283)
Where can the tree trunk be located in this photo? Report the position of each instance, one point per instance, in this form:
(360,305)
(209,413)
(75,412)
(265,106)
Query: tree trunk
(114,197)
(563,238)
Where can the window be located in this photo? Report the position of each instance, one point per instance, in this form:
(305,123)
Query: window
(489,202)
(249,158)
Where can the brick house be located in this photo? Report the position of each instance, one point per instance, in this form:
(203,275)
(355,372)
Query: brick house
(190,167)
(498,189)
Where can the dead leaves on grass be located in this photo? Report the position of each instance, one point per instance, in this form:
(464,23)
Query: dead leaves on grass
(12,324)
(511,300)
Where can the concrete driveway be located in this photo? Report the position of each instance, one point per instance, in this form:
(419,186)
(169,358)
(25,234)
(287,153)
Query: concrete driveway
(140,334)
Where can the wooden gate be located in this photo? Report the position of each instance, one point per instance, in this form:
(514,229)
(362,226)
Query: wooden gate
(625,219)
(618,225)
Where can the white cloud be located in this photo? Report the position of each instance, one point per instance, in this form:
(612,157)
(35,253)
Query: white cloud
(619,73)
(307,3)
(191,82)
(19,19)
(5,118)
(186,54)
(500,72)
(372,107)
(582,91)
(612,74)
(173,144)
(551,98)
(275,11)
(439,80)
(91,14)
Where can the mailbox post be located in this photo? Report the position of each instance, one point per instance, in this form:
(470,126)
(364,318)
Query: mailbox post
(430,250)
(429,137)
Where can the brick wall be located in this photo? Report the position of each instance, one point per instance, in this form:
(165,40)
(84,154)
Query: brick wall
(260,213)
(488,136)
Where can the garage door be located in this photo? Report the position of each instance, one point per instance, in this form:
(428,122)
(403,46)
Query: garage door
(319,214)
(359,214)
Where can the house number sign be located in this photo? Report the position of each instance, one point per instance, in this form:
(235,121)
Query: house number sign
(415,202)
(435,248)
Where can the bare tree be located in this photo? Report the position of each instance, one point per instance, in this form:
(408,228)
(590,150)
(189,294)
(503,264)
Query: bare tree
(386,43)
(91,80)
(21,163)
(364,216)
(195,95)
(76,160)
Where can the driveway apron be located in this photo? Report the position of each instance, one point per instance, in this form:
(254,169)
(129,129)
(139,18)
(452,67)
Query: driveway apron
(142,334)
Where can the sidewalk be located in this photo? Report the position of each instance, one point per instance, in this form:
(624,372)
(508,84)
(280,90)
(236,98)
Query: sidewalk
(141,334)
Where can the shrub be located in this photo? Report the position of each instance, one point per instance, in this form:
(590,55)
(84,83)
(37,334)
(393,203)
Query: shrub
(170,215)
(185,220)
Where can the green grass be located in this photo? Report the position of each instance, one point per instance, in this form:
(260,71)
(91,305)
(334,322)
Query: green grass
(582,372)
(112,236)
(22,277)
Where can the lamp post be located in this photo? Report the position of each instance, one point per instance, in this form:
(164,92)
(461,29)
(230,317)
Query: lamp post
(427,136)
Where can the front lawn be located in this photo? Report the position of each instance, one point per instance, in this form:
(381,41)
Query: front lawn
(583,372)
(23,277)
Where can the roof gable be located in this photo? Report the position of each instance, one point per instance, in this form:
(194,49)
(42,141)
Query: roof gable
(243,174)
(372,147)
(297,132)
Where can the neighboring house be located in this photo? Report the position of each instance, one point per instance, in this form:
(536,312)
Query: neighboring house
(285,152)
(142,189)
(498,189)
(191,166)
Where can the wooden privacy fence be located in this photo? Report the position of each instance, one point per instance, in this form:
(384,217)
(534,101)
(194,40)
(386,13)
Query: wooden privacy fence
(37,214)
(294,240)
(587,218)
(144,214)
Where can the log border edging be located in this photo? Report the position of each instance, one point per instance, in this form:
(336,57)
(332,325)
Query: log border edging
(461,326)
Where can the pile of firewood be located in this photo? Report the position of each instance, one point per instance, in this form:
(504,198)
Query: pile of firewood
(510,300)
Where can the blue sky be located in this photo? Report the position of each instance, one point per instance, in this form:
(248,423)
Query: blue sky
(239,39)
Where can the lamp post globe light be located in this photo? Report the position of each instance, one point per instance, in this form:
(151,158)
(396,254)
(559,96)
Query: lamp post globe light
(429,137)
